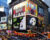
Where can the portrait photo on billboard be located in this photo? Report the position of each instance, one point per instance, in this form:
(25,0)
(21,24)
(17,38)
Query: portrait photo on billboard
(19,23)
(31,21)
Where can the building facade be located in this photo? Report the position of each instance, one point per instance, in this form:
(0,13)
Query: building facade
(4,14)
(42,10)
(6,7)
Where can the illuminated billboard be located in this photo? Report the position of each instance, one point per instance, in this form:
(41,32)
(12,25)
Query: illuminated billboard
(19,12)
(24,22)
(31,8)
(3,26)
(3,19)
(19,23)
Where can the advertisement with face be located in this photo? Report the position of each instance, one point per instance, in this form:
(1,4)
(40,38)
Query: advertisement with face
(19,23)
(19,9)
(31,22)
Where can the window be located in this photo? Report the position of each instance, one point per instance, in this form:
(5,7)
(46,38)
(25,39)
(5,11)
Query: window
(41,11)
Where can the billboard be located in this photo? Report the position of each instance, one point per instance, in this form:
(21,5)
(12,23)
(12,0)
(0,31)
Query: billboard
(19,23)
(31,8)
(19,12)
(3,19)
(31,22)
(3,26)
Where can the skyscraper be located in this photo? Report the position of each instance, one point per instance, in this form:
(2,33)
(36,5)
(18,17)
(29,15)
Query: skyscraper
(6,7)
(48,3)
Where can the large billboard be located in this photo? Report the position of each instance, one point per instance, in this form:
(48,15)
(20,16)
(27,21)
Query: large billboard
(31,22)
(19,12)
(25,22)
(31,8)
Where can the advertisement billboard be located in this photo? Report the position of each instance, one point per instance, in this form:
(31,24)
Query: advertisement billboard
(31,8)
(3,19)
(19,12)
(19,23)
(31,22)
(3,26)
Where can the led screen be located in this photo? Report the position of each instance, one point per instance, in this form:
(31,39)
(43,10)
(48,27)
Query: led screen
(31,8)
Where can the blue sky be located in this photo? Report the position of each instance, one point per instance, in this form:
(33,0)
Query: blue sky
(48,3)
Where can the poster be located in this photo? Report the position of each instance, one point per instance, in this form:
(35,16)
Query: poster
(19,9)
(19,12)
(3,19)
(19,23)
(31,22)
(23,24)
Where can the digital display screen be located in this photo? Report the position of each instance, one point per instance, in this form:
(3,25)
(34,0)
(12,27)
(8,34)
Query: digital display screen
(3,26)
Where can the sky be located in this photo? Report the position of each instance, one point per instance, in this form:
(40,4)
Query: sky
(48,3)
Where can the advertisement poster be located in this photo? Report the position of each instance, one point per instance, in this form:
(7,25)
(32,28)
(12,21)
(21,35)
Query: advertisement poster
(3,19)
(19,9)
(31,8)
(3,26)
(23,24)
(19,23)
(19,12)
(31,22)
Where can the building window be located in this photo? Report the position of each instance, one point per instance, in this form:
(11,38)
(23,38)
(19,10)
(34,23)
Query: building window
(41,11)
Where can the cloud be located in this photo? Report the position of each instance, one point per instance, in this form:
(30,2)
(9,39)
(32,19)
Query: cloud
(8,1)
